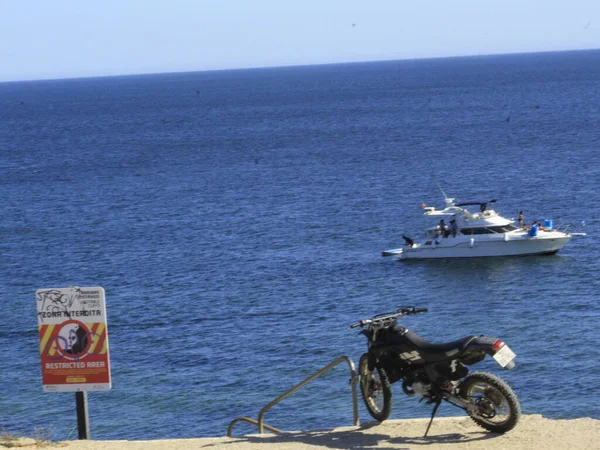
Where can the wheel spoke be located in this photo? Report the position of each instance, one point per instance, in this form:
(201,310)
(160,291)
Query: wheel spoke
(375,390)
(494,405)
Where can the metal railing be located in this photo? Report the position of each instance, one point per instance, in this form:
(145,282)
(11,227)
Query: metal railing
(260,422)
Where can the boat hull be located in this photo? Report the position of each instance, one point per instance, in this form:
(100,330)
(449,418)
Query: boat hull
(457,248)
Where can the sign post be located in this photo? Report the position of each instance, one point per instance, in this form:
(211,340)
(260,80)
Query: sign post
(83,421)
(74,344)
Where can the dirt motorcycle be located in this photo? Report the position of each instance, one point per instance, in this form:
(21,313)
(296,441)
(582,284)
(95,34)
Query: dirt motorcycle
(436,372)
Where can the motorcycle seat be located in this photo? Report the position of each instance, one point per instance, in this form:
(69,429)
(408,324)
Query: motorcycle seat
(437,352)
(429,347)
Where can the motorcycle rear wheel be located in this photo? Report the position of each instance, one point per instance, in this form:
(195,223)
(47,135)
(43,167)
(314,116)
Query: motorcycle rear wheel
(375,389)
(497,407)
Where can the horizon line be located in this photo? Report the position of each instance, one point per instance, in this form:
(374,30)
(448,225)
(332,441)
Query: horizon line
(137,74)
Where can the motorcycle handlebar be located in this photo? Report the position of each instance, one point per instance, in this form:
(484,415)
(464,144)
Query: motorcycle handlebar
(391,315)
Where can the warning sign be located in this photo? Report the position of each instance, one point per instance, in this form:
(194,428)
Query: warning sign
(73,339)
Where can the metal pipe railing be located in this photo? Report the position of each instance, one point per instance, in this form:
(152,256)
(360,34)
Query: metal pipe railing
(249,420)
(260,423)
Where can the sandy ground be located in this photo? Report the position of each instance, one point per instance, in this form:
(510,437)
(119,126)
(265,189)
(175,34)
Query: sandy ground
(532,432)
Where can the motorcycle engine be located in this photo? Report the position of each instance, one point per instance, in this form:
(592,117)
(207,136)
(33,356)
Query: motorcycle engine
(421,388)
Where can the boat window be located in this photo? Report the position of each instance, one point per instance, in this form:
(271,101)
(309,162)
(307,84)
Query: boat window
(488,230)
(469,231)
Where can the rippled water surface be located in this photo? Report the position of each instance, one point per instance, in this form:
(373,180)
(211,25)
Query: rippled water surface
(236,221)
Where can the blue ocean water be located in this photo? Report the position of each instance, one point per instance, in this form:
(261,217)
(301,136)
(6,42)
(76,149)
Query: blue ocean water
(236,221)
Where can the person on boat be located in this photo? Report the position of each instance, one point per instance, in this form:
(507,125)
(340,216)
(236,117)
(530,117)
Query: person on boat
(443,228)
(521,220)
(533,231)
(409,241)
(453,228)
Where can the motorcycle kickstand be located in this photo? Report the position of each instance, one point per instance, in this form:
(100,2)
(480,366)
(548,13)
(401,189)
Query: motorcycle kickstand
(438,402)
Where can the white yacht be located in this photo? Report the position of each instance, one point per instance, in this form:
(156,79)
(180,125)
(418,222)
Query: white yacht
(465,234)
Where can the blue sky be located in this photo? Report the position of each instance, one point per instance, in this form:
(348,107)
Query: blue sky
(42,39)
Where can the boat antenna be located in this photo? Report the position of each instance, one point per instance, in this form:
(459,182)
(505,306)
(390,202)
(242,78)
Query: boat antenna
(444,194)
(449,201)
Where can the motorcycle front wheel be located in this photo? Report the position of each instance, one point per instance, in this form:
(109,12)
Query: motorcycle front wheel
(494,405)
(376,390)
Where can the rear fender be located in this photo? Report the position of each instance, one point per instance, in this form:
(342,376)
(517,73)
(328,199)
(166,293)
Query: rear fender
(482,343)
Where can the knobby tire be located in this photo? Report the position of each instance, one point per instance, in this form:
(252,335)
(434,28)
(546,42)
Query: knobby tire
(514,409)
(385,388)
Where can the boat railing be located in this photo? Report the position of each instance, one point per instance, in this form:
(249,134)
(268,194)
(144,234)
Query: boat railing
(561,228)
